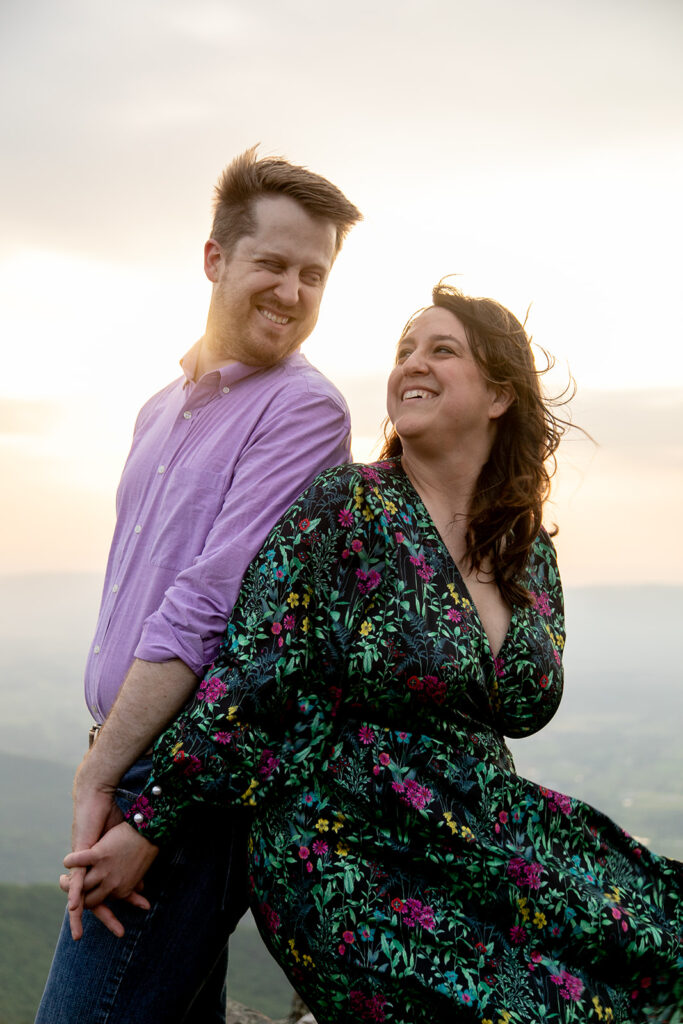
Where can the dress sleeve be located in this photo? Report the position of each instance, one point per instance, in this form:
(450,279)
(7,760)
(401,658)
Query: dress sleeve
(313,435)
(268,701)
(527,687)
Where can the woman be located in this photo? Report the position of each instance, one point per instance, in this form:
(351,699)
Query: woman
(401,618)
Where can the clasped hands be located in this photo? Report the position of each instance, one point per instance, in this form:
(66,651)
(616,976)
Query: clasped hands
(110,858)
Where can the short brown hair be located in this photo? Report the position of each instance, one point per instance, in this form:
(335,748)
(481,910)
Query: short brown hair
(247,179)
(507,507)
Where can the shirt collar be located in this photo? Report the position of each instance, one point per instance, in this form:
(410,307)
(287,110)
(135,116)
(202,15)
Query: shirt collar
(222,377)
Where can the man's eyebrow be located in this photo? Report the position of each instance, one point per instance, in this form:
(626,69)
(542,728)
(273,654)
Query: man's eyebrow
(274,254)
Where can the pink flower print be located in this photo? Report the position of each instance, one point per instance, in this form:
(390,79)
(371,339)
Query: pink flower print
(141,806)
(267,764)
(412,794)
(289,622)
(524,872)
(356,545)
(557,801)
(212,690)
(384,758)
(518,935)
(414,683)
(304,524)
(320,847)
(366,735)
(304,852)
(454,615)
(349,938)
(569,985)
(368,473)
(271,918)
(368,581)
(542,603)
(276,628)
(223,737)
(191,765)
(417,913)
(503,817)
(424,571)
(398,537)
(435,688)
(345,517)
(499,667)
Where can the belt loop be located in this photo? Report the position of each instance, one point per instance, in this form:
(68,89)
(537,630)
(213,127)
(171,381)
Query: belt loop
(93,734)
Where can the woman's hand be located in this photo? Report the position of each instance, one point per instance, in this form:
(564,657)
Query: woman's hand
(117,864)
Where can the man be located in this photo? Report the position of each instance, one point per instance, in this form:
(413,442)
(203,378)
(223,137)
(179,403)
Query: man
(217,456)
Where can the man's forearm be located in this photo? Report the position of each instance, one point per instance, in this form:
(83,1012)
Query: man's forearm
(151,695)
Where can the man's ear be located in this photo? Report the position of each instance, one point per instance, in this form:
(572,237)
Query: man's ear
(213,254)
(502,397)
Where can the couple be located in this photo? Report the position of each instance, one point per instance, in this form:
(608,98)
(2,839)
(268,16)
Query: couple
(342,764)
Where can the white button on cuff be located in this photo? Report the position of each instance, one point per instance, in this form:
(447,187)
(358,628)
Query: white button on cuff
(138,528)
(156,790)
(226,391)
(161,469)
(187,415)
(138,818)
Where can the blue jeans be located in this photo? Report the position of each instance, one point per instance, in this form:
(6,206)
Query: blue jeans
(171,964)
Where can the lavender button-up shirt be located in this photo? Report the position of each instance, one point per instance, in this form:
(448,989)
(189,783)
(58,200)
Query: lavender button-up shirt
(212,467)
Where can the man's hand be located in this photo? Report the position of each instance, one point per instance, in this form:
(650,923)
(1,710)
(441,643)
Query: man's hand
(117,863)
(94,813)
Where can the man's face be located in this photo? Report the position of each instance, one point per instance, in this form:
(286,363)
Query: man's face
(267,291)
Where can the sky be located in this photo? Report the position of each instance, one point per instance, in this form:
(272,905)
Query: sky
(533,149)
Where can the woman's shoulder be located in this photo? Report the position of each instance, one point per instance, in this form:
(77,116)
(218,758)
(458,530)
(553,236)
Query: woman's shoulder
(367,476)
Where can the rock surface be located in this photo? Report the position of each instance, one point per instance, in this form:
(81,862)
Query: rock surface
(239,1014)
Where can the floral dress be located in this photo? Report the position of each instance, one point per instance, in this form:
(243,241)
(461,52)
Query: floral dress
(399,869)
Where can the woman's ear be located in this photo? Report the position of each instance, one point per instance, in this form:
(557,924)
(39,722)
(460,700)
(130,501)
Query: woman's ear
(502,397)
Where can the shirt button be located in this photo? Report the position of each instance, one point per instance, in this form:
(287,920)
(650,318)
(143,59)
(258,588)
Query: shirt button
(96,649)
(138,818)
(226,391)
(138,529)
(115,588)
(156,790)
(187,415)
(161,469)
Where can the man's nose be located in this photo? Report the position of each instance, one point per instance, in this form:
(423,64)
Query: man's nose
(287,288)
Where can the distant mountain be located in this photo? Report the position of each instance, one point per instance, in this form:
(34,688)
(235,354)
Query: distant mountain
(614,741)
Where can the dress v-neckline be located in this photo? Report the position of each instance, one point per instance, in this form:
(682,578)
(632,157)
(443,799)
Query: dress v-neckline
(436,535)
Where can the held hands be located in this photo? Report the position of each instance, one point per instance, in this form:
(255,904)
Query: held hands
(117,865)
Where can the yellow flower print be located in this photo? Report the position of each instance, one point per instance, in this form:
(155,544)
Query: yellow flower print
(598,1007)
(486,1020)
(540,919)
(448,815)
(293,599)
(358,496)
(390,507)
(523,909)
(178,746)
(366,627)
(505,1017)
(294,950)
(306,625)
(308,961)
(339,823)
(467,604)
(322,825)
(467,833)
(367,514)
(247,797)
(342,849)
(232,713)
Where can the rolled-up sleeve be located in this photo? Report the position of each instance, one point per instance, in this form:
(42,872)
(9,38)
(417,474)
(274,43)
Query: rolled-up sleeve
(284,454)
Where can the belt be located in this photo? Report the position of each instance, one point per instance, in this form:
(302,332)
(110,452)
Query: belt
(93,734)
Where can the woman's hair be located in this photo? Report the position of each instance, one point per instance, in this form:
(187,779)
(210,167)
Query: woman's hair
(507,507)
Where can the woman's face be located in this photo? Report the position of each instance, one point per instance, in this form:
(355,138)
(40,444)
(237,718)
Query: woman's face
(436,392)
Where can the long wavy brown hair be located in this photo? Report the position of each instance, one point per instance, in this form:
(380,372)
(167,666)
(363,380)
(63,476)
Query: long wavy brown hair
(507,508)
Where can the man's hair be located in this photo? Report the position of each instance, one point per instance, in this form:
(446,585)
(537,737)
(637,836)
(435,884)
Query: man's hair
(507,507)
(247,179)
